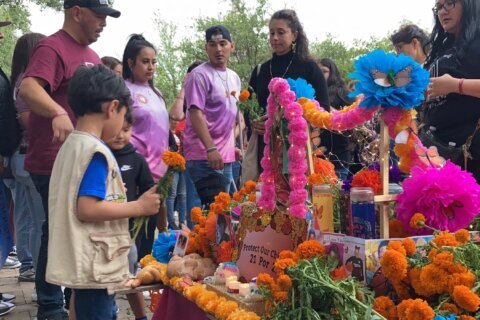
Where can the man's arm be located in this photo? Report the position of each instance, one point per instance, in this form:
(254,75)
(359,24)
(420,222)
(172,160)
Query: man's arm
(32,91)
(214,158)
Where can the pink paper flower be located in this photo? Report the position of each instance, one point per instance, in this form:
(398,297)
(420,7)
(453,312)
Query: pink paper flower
(448,197)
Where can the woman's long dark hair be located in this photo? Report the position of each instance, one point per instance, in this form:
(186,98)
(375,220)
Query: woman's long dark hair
(337,89)
(290,16)
(470,29)
(134,45)
(22,53)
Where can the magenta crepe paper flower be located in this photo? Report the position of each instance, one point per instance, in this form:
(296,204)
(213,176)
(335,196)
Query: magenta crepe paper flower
(448,197)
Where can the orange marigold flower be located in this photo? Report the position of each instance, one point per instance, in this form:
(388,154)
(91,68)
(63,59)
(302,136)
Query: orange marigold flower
(410,246)
(394,265)
(223,199)
(396,229)
(225,251)
(237,196)
(310,249)
(174,159)
(418,309)
(417,221)
(466,279)
(368,178)
(280,295)
(465,317)
(264,279)
(243,315)
(284,282)
(433,280)
(195,214)
(324,172)
(250,186)
(450,307)
(203,299)
(288,254)
(282,264)
(397,246)
(445,239)
(385,306)
(402,289)
(465,298)
(244,95)
(432,254)
(462,236)
(252,197)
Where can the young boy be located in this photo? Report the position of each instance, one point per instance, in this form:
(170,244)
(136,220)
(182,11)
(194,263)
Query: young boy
(138,179)
(89,237)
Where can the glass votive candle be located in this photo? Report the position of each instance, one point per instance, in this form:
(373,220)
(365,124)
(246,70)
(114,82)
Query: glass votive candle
(244,289)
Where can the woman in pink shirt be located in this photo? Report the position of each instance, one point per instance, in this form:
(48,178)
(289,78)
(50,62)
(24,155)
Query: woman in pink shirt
(150,116)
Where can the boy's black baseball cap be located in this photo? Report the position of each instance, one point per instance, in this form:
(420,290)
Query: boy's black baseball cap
(217,32)
(99,6)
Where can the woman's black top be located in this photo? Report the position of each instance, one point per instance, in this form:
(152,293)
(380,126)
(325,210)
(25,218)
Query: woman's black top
(286,66)
(453,118)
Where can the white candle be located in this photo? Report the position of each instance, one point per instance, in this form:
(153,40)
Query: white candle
(233,286)
(244,289)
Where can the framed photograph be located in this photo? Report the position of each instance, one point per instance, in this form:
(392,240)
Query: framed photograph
(180,245)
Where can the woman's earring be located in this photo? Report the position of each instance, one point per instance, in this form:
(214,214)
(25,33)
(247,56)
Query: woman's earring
(294,46)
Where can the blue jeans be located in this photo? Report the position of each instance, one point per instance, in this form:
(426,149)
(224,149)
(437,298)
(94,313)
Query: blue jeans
(94,304)
(192,198)
(29,215)
(177,192)
(50,296)
(199,169)
(6,240)
(236,168)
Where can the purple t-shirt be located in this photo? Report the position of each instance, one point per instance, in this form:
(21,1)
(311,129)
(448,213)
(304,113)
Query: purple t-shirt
(54,60)
(209,89)
(150,126)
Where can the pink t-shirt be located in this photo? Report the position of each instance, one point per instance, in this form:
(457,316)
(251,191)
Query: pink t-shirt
(209,89)
(150,126)
(54,60)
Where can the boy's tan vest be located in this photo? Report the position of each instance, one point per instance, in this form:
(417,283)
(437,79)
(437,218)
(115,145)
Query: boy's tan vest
(85,254)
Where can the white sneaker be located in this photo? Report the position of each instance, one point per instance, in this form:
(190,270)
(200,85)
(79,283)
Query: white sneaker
(11,263)
(6,307)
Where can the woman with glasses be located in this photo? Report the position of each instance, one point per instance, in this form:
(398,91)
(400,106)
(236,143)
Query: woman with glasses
(411,41)
(453,105)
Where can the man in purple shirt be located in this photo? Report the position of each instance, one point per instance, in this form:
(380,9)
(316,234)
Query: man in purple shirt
(44,89)
(210,94)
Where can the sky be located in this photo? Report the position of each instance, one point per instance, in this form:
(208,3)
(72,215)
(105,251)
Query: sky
(346,20)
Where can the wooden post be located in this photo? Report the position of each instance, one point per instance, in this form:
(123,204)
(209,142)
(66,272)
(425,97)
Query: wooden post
(385,199)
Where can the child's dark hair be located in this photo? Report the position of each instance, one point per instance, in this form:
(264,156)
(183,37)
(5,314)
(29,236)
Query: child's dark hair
(90,87)
(129,117)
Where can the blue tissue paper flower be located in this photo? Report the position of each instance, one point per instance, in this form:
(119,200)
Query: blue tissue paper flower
(163,246)
(388,80)
(302,88)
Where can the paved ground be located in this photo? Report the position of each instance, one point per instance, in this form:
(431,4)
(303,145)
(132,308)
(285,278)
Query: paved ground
(27,310)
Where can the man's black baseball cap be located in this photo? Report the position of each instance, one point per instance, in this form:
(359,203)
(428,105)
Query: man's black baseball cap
(98,6)
(217,32)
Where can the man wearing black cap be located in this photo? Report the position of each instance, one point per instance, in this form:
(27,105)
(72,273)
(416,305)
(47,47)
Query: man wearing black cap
(211,97)
(44,89)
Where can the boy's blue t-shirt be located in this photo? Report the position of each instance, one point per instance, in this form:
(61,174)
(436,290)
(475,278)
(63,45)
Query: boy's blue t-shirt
(94,182)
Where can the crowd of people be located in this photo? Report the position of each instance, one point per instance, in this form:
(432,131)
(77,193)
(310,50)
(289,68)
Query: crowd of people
(83,150)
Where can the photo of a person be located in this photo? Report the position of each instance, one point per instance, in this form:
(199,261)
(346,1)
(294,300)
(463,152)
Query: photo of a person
(181,245)
(355,264)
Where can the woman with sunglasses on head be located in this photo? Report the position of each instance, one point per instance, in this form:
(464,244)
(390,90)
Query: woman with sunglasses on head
(452,110)
(291,59)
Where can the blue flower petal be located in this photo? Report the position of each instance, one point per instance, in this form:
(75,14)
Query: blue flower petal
(302,88)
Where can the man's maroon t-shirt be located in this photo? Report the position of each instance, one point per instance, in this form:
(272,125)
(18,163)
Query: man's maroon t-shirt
(54,60)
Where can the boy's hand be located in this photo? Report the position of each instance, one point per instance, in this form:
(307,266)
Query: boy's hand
(149,202)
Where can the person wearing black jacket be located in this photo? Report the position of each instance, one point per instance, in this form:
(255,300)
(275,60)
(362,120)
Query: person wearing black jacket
(291,59)
(137,178)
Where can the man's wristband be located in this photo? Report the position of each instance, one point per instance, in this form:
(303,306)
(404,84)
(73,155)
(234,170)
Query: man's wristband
(211,149)
(58,114)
